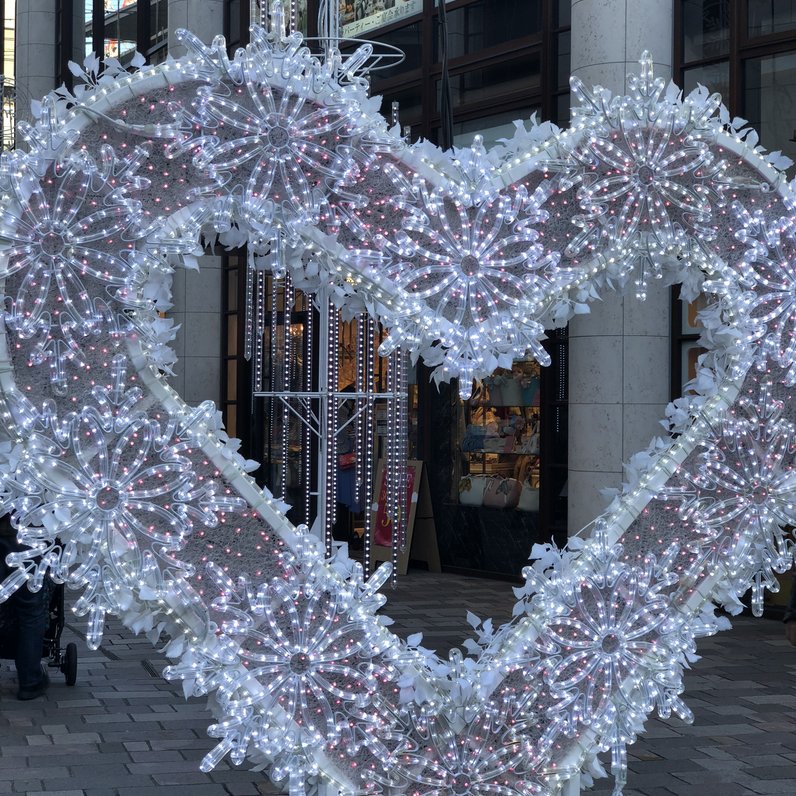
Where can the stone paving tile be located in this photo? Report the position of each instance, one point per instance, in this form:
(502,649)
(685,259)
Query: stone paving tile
(123,732)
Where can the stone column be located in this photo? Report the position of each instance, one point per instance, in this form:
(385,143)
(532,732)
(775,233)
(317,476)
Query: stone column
(197,296)
(197,309)
(204,18)
(35,52)
(619,355)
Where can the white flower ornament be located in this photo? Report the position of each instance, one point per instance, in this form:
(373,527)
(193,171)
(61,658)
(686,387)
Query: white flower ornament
(141,503)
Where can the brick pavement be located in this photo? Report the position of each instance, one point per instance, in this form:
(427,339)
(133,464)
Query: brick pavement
(124,731)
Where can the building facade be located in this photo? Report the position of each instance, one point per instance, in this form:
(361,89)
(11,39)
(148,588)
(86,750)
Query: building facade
(472,67)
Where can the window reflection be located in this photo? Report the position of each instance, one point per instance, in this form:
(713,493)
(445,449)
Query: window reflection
(706,29)
(771,16)
(770,100)
(516,75)
(121,29)
(112,28)
(488,23)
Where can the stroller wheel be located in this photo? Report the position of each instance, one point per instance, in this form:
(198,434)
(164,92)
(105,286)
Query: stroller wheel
(69,666)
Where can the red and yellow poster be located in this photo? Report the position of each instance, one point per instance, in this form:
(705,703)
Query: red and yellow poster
(382,532)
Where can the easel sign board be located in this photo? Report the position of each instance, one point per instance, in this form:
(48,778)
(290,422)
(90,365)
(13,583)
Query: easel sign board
(421,533)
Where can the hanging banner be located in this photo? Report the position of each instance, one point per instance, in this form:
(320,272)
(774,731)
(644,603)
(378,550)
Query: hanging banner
(359,16)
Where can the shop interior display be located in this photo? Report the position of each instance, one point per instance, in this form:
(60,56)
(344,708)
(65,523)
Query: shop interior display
(142,506)
(501,441)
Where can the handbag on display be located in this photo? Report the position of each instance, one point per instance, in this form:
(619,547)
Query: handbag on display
(471,490)
(529,498)
(502,493)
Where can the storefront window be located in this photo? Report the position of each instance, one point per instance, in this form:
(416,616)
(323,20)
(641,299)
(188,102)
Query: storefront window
(770,100)
(706,29)
(500,443)
(771,16)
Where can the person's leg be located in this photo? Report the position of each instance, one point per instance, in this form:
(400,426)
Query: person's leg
(32,611)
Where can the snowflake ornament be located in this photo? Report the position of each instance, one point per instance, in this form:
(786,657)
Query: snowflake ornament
(769,267)
(105,498)
(476,761)
(611,647)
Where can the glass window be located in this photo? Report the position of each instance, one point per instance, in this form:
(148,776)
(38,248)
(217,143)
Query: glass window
(484,83)
(158,23)
(563,12)
(706,29)
(771,16)
(770,100)
(487,23)
(716,77)
(410,104)
(491,128)
(88,7)
(407,39)
(563,103)
(121,27)
(8,39)
(563,60)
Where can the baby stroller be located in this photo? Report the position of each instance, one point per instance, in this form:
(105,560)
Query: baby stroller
(63,659)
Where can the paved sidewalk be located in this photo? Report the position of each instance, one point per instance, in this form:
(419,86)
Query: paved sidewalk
(123,730)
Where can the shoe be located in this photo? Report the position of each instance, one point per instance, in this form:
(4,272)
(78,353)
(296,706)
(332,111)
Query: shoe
(34,691)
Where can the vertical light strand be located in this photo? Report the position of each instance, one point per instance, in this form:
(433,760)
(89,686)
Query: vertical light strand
(306,409)
(400,399)
(393,481)
(258,329)
(332,362)
(273,403)
(360,403)
(286,379)
(369,356)
(249,306)
(257,12)
(293,20)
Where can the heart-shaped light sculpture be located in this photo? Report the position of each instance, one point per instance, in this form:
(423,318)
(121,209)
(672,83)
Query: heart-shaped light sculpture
(141,503)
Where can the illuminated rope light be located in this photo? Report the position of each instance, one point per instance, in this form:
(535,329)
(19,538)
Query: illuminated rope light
(143,505)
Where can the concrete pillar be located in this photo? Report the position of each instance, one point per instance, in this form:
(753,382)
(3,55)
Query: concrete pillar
(619,355)
(35,52)
(197,296)
(197,309)
(204,18)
